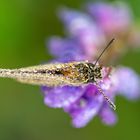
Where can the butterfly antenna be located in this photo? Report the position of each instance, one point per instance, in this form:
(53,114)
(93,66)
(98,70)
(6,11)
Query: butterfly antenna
(112,105)
(108,45)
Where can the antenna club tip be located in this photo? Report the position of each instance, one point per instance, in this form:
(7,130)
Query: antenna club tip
(112,105)
(112,39)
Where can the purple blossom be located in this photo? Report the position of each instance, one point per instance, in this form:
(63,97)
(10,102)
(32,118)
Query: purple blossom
(127,83)
(62,96)
(112,18)
(87,34)
(81,27)
(107,115)
(86,107)
(69,49)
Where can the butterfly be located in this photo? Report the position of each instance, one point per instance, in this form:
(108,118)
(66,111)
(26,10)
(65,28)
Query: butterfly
(60,74)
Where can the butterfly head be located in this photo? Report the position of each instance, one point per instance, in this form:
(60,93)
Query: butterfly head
(94,73)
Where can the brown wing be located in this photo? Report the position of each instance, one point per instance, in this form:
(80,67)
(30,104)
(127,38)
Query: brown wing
(50,74)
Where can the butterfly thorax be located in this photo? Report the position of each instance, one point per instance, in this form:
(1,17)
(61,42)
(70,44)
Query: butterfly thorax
(89,72)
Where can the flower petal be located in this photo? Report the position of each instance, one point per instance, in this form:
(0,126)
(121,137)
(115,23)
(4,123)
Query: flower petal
(107,115)
(107,14)
(127,83)
(67,49)
(61,96)
(83,28)
(87,107)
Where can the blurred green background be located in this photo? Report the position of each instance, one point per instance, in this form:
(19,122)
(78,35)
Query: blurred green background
(24,28)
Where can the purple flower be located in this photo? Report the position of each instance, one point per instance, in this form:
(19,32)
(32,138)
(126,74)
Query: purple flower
(86,107)
(107,116)
(127,83)
(81,27)
(112,18)
(66,49)
(87,34)
(61,96)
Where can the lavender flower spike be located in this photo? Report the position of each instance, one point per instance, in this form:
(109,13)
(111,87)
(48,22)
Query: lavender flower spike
(86,35)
